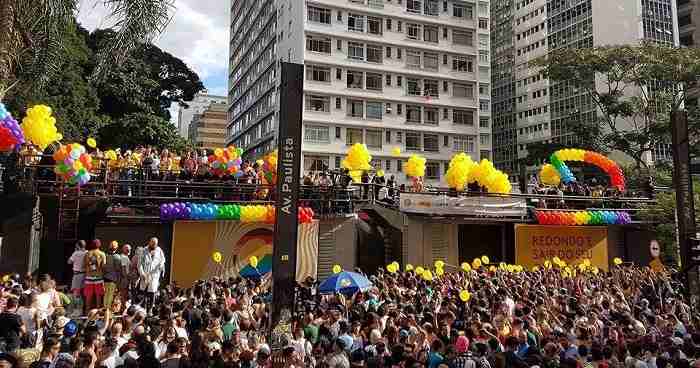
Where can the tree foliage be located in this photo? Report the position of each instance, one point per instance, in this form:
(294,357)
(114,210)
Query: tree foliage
(634,88)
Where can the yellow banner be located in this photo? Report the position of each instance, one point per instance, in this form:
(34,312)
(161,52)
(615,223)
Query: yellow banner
(572,244)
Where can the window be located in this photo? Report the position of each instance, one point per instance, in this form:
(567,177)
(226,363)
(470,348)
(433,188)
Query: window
(356,22)
(337,103)
(355,109)
(373,138)
(318,73)
(399,136)
(413,31)
(484,105)
(399,80)
(353,136)
(431,61)
(388,24)
(484,139)
(463,143)
(388,52)
(374,53)
(413,114)
(414,6)
(374,81)
(316,134)
(337,133)
(398,26)
(318,44)
(430,34)
(388,108)
(484,42)
(431,115)
(374,110)
(432,7)
(483,56)
(388,165)
(339,44)
(463,10)
(464,117)
(319,15)
(485,154)
(340,16)
(445,86)
(399,165)
(413,141)
(483,122)
(462,64)
(318,103)
(462,90)
(388,80)
(413,87)
(315,163)
(356,51)
(465,38)
(398,54)
(432,170)
(337,162)
(431,88)
(355,79)
(338,74)
(483,89)
(374,25)
(398,109)
(431,143)
(413,59)
(483,23)
(388,136)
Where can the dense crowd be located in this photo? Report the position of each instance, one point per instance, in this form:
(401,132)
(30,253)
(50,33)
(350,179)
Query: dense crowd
(628,317)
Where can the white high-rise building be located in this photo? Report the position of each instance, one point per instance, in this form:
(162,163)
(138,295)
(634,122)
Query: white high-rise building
(407,74)
(197,106)
(527,107)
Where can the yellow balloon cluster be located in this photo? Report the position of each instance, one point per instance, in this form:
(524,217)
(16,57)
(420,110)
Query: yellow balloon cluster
(337,269)
(396,152)
(419,270)
(427,275)
(111,155)
(571,154)
(415,166)
(488,176)
(257,213)
(466,267)
(39,126)
(549,175)
(357,160)
(458,172)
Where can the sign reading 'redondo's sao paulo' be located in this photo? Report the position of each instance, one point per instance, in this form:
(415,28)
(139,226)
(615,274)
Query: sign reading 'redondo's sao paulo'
(535,244)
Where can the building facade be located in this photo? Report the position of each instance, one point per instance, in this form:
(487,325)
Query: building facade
(208,129)
(412,74)
(527,107)
(185,114)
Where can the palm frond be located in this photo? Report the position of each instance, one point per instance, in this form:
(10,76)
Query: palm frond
(136,22)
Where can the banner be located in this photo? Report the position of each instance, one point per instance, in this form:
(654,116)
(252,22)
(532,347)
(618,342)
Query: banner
(572,244)
(471,206)
(194,242)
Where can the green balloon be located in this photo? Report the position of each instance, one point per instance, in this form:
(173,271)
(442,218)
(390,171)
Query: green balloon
(236,212)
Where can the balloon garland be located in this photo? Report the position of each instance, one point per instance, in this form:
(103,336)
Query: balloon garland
(11,135)
(463,170)
(73,164)
(210,211)
(356,161)
(578,218)
(225,162)
(39,126)
(557,171)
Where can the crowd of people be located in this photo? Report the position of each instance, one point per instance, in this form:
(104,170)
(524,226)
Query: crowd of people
(628,317)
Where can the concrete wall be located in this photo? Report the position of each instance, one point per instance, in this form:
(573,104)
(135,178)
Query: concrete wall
(426,242)
(336,245)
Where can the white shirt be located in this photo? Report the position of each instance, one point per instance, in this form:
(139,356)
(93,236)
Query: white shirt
(113,361)
(76,259)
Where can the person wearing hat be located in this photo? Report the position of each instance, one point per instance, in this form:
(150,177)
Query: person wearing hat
(338,358)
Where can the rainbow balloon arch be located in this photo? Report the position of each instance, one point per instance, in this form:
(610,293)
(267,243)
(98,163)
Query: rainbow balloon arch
(210,211)
(557,171)
(580,218)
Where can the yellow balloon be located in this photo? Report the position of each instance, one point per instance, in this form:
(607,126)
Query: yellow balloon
(535,268)
(503,266)
(556,260)
(91,142)
(439,271)
(419,270)
(466,267)
(587,262)
(217,257)
(464,296)
(485,260)
(594,270)
(547,264)
(427,275)
(396,152)
(617,261)
(439,264)
(409,267)
(390,268)
(6,278)
(337,269)
(476,263)
(380,173)
(493,268)
(253,261)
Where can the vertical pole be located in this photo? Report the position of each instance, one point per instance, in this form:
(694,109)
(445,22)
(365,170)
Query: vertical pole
(286,222)
(683,185)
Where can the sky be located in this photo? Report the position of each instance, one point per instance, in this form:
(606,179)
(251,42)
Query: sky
(198,34)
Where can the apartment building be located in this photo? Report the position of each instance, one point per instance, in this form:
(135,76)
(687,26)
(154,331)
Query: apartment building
(407,74)
(201,102)
(529,108)
(208,129)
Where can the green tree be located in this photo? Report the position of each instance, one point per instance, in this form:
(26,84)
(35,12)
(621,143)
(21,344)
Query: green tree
(140,128)
(32,40)
(634,88)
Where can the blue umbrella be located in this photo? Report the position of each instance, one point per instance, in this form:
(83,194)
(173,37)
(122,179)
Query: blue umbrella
(345,283)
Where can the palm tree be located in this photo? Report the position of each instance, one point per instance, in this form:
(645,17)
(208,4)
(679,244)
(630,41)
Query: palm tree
(31,34)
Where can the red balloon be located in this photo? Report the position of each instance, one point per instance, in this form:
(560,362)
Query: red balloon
(7,140)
